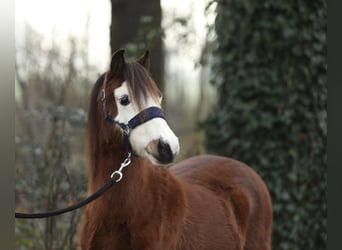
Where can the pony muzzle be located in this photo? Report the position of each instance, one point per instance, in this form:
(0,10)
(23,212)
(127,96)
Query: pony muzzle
(161,151)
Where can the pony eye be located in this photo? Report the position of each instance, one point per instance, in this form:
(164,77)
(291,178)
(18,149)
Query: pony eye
(124,100)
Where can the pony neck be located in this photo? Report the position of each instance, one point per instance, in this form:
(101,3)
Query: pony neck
(121,199)
(107,156)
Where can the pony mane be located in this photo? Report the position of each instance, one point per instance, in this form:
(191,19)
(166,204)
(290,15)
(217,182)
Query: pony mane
(140,83)
(94,125)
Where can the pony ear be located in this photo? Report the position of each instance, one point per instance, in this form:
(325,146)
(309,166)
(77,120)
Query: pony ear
(144,60)
(117,64)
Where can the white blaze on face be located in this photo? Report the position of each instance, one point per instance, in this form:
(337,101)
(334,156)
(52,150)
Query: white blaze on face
(143,137)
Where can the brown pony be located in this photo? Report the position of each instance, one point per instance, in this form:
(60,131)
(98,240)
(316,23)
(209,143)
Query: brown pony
(205,202)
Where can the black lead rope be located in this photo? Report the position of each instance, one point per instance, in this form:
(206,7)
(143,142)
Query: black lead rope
(118,176)
(94,196)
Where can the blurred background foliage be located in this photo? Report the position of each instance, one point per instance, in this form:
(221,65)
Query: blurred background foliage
(259,96)
(50,120)
(270,71)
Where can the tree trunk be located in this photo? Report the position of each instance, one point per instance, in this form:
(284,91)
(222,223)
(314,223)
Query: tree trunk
(136,26)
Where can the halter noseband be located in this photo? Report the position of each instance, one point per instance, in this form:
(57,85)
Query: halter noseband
(142,117)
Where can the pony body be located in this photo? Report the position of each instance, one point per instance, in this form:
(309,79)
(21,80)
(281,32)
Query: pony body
(205,202)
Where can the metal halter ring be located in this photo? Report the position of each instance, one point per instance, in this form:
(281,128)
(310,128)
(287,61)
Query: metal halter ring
(127,130)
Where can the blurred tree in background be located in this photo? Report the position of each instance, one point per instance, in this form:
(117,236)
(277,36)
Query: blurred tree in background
(270,72)
(136,26)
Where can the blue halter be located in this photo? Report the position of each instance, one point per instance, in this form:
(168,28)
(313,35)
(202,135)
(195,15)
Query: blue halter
(142,117)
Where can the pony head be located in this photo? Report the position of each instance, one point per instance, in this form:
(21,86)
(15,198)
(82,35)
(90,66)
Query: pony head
(136,109)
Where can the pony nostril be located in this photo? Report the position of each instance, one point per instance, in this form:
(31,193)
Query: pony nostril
(165,152)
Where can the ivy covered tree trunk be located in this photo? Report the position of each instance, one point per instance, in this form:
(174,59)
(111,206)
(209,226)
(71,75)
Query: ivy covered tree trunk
(136,26)
(270,73)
